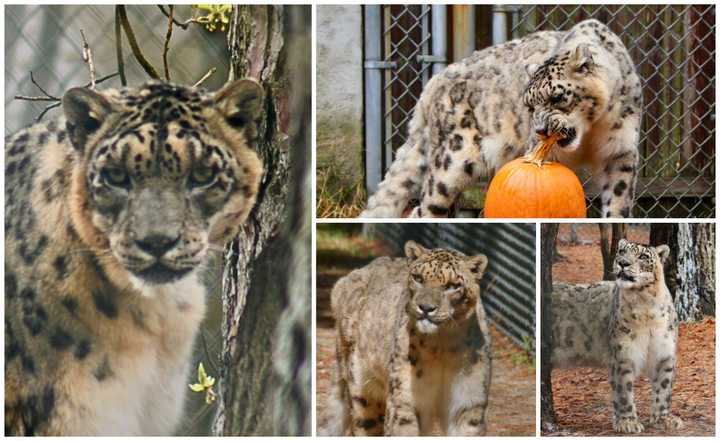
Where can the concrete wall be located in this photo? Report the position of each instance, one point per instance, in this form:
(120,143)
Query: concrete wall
(339,99)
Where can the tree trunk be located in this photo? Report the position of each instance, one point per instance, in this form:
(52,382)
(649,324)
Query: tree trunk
(608,246)
(704,235)
(548,235)
(265,280)
(574,240)
(690,268)
(665,234)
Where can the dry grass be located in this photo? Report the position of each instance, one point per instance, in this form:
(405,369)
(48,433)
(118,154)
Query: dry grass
(334,200)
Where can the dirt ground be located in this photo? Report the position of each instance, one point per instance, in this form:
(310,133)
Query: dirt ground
(512,392)
(582,396)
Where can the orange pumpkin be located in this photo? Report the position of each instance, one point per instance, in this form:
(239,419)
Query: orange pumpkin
(531,187)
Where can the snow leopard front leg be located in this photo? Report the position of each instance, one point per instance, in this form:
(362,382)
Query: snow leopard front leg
(661,370)
(401,419)
(625,365)
(453,167)
(470,391)
(618,175)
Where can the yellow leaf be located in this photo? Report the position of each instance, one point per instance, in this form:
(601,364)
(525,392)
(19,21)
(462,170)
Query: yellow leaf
(196,387)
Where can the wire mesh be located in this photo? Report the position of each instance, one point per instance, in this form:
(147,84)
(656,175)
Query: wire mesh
(46,41)
(673,47)
(508,286)
(406,35)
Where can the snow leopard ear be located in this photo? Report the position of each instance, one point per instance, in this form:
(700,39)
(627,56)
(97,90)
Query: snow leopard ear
(413,250)
(663,252)
(581,60)
(240,102)
(622,243)
(85,110)
(477,265)
(531,69)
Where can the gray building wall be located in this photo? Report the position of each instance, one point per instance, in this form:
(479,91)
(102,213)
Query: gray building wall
(339,100)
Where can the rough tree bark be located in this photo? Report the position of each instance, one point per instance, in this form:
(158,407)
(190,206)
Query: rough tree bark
(548,236)
(608,246)
(266,276)
(690,270)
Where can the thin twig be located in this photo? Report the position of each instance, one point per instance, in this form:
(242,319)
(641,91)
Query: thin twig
(118,48)
(205,77)
(32,79)
(105,78)
(88,59)
(166,47)
(47,109)
(184,26)
(149,69)
(35,98)
(49,98)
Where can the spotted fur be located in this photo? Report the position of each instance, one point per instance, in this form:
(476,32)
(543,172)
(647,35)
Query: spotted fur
(413,349)
(629,326)
(488,109)
(110,212)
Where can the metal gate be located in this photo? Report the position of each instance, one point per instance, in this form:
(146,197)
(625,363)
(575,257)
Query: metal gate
(673,47)
(508,287)
(402,44)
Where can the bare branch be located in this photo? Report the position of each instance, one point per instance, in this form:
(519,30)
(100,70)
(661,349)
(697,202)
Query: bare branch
(32,79)
(88,59)
(184,26)
(34,98)
(102,79)
(166,47)
(53,99)
(118,48)
(149,69)
(205,77)
(47,109)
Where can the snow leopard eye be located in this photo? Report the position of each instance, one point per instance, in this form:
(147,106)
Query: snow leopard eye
(115,177)
(451,286)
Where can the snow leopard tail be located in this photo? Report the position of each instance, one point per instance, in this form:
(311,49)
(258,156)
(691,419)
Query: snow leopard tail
(403,181)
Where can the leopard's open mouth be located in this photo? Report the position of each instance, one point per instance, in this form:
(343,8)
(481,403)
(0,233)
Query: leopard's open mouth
(569,136)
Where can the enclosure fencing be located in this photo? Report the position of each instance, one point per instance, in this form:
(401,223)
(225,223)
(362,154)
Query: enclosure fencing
(45,40)
(673,47)
(508,287)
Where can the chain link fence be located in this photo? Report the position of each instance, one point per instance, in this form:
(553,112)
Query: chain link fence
(673,47)
(508,287)
(46,41)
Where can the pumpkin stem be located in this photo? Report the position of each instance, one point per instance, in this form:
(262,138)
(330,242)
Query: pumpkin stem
(538,155)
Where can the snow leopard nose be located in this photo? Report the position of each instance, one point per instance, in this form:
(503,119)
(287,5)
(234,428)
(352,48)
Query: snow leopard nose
(427,309)
(157,244)
(622,263)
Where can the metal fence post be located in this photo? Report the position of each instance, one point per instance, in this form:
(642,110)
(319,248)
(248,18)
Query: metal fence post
(499,28)
(439,37)
(373,97)
(463,31)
